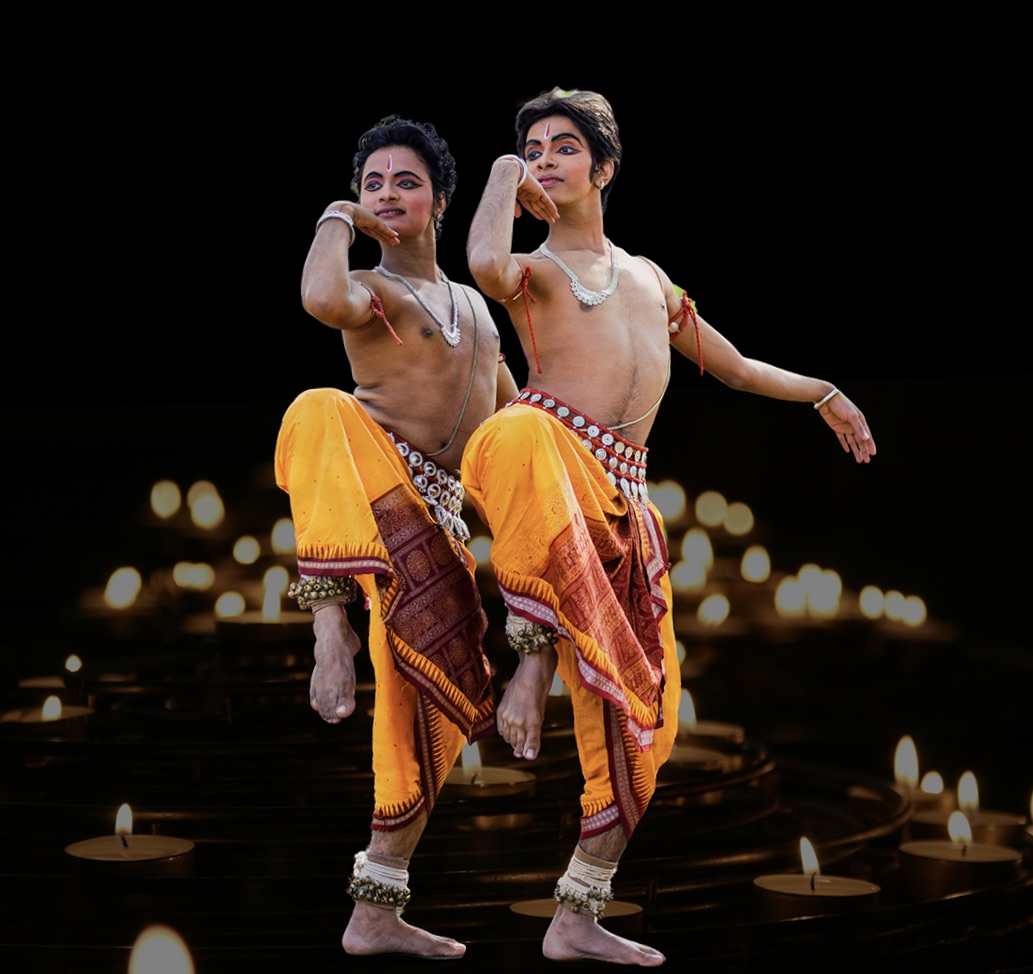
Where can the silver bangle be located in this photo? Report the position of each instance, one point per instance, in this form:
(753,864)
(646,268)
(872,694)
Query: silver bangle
(523,167)
(821,402)
(338,215)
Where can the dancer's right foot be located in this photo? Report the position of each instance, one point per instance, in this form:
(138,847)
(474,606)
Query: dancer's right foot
(332,687)
(375,930)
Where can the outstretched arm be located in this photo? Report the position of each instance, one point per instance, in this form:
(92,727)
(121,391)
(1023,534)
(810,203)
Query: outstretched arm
(489,247)
(724,361)
(327,290)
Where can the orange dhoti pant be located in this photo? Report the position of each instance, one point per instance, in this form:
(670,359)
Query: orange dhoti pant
(357,513)
(578,547)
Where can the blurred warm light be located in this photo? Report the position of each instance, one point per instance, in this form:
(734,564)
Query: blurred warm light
(123,587)
(968,793)
(274,584)
(282,537)
(905,762)
(193,575)
(914,611)
(686,711)
(808,858)
(471,760)
(710,508)
(696,548)
(679,648)
(687,576)
(738,519)
(229,605)
(894,605)
(246,549)
(206,508)
(790,597)
(932,783)
(958,828)
(160,950)
(871,602)
(668,497)
(558,688)
(823,589)
(756,564)
(480,548)
(713,610)
(124,820)
(52,708)
(73,664)
(165,498)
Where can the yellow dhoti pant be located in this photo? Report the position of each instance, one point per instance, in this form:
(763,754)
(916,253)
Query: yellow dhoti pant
(578,547)
(357,512)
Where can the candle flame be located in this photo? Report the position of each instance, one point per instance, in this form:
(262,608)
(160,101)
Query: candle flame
(968,793)
(52,708)
(471,761)
(282,536)
(124,820)
(958,829)
(123,587)
(809,858)
(160,949)
(905,763)
(73,664)
(686,712)
(165,498)
(932,783)
(206,507)
(274,584)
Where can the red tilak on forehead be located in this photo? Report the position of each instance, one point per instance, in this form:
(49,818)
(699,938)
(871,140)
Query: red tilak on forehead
(548,125)
(390,161)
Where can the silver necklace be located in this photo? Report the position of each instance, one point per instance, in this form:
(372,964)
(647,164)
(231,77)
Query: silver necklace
(582,293)
(451,332)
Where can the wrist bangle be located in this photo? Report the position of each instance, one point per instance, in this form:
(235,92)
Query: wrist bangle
(523,167)
(338,215)
(821,402)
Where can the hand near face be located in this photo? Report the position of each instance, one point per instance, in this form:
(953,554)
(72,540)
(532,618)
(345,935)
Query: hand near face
(367,222)
(532,198)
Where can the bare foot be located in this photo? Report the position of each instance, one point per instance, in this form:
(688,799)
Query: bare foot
(375,930)
(521,710)
(576,936)
(332,687)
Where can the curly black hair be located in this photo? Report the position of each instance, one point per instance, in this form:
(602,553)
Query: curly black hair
(423,139)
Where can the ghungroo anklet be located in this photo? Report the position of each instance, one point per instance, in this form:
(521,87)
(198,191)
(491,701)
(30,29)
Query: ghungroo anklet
(381,885)
(585,886)
(528,637)
(313,591)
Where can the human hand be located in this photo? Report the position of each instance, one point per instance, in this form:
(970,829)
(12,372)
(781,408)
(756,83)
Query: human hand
(533,198)
(850,427)
(367,222)
(521,711)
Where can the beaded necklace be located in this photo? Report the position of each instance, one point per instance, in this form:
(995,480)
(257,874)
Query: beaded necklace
(582,293)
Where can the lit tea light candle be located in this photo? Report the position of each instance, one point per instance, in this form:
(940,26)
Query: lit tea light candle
(993,827)
(472,779)
(52,718)
(787,896)
(930,794)
(689,726)
(933,868)
(148,853)
(271,623)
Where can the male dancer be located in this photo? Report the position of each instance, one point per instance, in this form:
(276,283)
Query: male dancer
(377,504)
(559,478)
